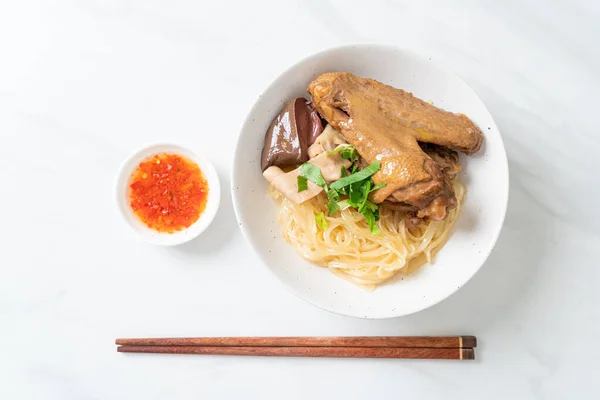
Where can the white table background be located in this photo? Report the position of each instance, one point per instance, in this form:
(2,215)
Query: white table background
(85,82)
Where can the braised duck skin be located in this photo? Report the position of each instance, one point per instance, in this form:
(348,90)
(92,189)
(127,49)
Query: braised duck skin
(387,124)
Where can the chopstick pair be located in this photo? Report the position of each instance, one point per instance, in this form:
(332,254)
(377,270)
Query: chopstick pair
(415,347)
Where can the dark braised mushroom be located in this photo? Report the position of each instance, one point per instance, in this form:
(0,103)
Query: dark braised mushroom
(291,132)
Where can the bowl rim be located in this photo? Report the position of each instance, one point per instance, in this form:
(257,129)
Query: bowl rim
(246,124)
(161,238)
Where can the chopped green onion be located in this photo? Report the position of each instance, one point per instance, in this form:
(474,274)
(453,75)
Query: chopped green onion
(321,220)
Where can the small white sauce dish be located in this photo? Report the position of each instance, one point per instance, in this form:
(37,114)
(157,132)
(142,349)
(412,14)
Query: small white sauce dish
(160,238)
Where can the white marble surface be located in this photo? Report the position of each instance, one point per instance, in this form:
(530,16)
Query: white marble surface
(84,82)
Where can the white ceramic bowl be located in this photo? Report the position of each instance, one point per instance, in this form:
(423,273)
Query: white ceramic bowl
(161,238)
(484,173)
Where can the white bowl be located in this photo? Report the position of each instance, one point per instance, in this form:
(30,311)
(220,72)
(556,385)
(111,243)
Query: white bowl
(484,173)
(162,238)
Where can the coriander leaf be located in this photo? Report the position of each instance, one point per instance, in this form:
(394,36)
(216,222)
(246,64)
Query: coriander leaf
(354,168)
(348,153)
(376,213)
(343,171)
(366,190)
(371,206)
(343,204)
(313,174)
(333,207)
(370,218)
(321,220)
(344,148)
(333,195)
(344,190)
(378,186)
(357,193)
(355,177)
(302,183)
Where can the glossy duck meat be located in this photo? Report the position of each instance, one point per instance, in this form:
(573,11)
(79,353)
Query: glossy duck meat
(387,124)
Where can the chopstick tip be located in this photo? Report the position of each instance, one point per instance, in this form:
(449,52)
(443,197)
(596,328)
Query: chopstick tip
(467,354)
(468,341)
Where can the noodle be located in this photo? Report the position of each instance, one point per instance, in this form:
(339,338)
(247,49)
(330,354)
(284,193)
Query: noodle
(349,249)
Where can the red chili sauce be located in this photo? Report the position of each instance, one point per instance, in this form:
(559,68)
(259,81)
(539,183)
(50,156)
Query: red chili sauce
(168,192)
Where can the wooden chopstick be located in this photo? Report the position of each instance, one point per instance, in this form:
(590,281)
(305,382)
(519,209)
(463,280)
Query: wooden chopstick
(456,353)
(352,341)
(425,347)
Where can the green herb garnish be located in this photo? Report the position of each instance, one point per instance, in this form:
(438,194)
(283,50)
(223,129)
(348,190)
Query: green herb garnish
(370,218)
(357,185)
(321,220)
(343,204)
(313,174)
(356,176)
(365,190)
(302,183)
(378,186)
(333,207)
(333,195)
(348,153)
(373,207)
